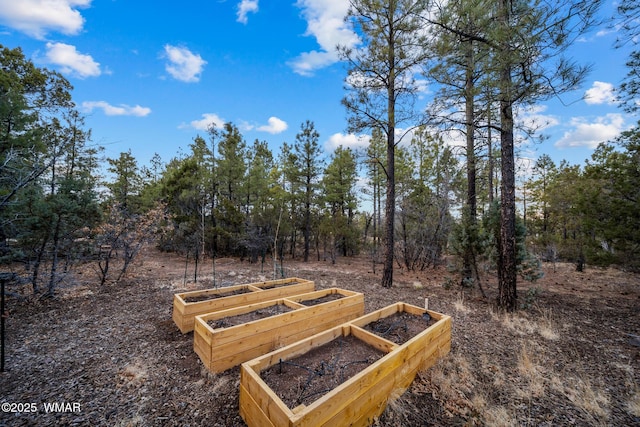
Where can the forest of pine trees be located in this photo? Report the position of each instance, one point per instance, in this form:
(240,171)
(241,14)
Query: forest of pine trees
(63,203)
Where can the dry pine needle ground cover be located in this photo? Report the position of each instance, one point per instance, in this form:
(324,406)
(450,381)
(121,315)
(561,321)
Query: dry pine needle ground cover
(572,357)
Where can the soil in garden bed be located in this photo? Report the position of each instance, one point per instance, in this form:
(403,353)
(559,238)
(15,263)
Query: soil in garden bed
(215,296)
(322,300)
(308,377)
(400,327)
(258,314)
(278,285)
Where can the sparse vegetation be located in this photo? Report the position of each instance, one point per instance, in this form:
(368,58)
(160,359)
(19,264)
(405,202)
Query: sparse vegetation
(536,366)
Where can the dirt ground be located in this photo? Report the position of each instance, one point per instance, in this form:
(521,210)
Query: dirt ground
(114,357)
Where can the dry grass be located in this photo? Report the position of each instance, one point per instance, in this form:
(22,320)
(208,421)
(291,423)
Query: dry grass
(540,322)
(133,422)
(499,416)
(396,412)
(531,373)
(473,387)
(453,383)
(547,325)
(134,372)
(498,377)
(633,405)
(459,304)
(584,395)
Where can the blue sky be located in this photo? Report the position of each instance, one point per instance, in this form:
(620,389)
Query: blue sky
(150,75)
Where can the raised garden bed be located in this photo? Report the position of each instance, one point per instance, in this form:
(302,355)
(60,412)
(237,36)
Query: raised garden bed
(276,391)
(224,347)
(187,305)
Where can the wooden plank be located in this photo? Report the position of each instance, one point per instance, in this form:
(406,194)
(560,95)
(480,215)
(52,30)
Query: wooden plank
(250,411)
(216,300)
(178,319)
(365,407)
(344,394)
(184,313)
(327,406)
(284,336)
(276,282)
(202,349)
(236,344)
(377,315)
(371,403)
(268,402)
(373,340)
(287,331)
(178,304)
(260,326)
(201,330)
(296,349)
(234,353)
(323,293)
(247,308)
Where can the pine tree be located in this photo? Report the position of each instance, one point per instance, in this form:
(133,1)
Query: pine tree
(376,161)
(381,84)
(32,99)
(308,156)
(127,181)
(338,185)
(527,37)
(458,69)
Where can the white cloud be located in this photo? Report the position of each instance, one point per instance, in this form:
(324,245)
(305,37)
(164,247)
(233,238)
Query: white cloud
(600,93)
(71,61)
(590,134)
(244,8)
(183,65)
(533,117)
(245,126)
(204,123)
(347,141)
(37,17)
(325,22)
(120,110)
(275,126)
(308,62)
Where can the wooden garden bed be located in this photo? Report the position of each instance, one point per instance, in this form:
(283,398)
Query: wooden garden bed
(221,348)
(386,369)
(187,305)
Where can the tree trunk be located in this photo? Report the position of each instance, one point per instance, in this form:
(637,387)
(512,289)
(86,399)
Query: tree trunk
(307,226)
(390,205)
(507,273)
(104,261)
(469,222)
(389,211)
(490,155)
(54,260)
(36,266)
